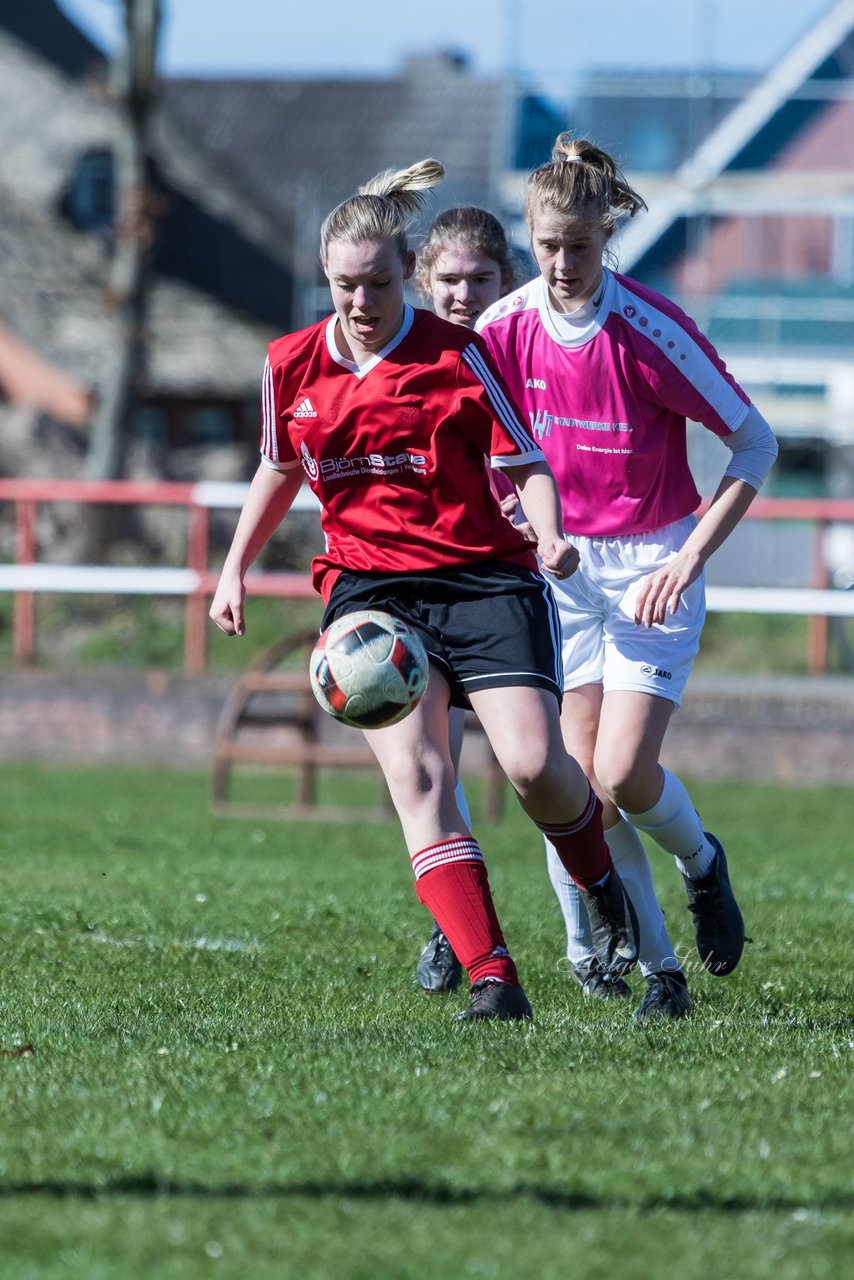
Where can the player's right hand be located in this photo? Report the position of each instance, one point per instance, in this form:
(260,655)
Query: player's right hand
(227,607)
(558,557)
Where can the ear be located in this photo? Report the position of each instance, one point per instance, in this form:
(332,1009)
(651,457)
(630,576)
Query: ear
(409,264)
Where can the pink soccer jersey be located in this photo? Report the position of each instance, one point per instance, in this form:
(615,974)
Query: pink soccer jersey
(608,397)
(395,450)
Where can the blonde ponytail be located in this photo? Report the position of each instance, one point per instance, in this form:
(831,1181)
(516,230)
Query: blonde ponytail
(581,181)
(405,185)
(383,207)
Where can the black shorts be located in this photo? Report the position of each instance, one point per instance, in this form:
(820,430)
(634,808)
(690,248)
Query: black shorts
(486,626)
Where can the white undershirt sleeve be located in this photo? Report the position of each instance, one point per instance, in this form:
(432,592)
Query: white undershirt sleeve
(754,449)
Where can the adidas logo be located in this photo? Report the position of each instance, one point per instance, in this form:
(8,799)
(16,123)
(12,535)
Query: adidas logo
(305,410)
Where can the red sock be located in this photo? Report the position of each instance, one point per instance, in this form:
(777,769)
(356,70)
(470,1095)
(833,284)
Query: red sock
(451,881)
(581,844)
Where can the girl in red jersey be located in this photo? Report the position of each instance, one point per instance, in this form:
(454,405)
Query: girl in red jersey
(608,372)
(389,413)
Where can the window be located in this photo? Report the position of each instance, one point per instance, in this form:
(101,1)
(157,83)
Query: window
(210,424)
(90,200)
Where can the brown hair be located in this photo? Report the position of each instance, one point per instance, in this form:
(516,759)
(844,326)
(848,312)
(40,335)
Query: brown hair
(382,208)
(581,181)
(475,228)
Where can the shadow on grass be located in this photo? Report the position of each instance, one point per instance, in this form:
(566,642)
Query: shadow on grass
(416,1191)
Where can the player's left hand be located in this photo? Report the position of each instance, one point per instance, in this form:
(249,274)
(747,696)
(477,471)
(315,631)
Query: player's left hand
(662,592)
(510,505)
(558,557)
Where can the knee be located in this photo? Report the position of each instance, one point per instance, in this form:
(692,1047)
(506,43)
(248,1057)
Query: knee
(411,777)
(534,773)
(629,783)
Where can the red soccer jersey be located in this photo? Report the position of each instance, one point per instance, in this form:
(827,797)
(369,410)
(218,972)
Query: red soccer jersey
(395,449)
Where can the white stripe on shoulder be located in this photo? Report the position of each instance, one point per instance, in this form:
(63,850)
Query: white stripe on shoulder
(505,412)
(683,352)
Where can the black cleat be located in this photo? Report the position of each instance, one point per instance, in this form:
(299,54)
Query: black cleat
(718,923)
(667,996)
(594,982)
(438,969)
(493,999)
(613,926)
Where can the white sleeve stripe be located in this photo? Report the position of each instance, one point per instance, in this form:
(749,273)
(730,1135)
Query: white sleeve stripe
(269,444)
(504,410)
(265,411)
(274,439)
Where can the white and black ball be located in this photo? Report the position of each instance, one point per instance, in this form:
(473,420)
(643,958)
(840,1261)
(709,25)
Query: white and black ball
(368,669)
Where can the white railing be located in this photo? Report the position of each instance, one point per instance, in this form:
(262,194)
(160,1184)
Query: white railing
(28,577)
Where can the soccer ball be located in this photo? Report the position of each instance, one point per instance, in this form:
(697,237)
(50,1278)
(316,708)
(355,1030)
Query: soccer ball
(368,669)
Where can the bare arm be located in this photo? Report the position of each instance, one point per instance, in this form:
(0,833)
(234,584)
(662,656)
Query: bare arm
(271,495)
(539,495)
(663,589)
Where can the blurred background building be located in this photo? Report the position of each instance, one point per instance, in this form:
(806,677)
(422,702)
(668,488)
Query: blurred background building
(749,180)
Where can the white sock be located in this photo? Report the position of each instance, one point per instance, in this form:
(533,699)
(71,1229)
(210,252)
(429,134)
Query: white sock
(674,823)
(630,858)
(462,804)
(632,863)
(579,940)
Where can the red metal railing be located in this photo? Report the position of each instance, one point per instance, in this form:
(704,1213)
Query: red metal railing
(196,582)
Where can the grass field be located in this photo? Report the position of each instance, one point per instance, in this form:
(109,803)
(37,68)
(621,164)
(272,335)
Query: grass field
(232,1074)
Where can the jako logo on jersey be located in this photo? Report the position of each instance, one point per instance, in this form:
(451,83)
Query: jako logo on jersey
(305,410)
(376,464)
(656,671)
(537,383)
(309,465)
(630,311)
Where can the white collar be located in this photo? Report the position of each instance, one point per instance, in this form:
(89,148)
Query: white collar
(361,369)
(575,328)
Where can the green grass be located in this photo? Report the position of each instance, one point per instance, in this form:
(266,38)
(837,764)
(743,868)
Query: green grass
(757,644)
(232,1074)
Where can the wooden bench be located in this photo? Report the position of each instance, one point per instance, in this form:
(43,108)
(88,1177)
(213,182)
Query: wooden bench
(272,720)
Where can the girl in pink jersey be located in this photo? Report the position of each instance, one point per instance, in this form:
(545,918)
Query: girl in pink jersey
(389,414)
(608,372)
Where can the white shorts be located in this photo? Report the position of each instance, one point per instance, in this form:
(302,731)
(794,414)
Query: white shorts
(602,643)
